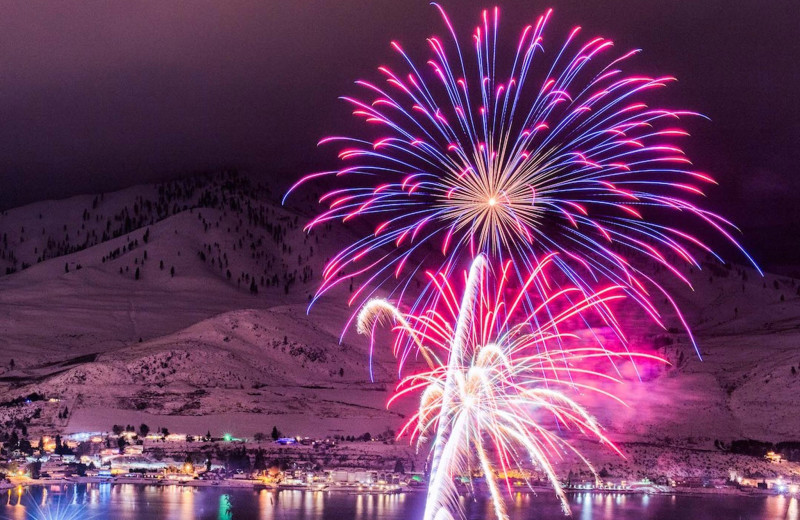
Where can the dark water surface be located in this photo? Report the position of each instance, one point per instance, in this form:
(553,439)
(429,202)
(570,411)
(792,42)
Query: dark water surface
(134,502)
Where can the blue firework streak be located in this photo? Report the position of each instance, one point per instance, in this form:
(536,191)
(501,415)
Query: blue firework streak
(554,152)
(60,508)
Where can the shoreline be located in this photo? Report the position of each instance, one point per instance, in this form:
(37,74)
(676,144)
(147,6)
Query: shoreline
(365,490)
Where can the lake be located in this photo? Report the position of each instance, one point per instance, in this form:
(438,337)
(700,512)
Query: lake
(136,502)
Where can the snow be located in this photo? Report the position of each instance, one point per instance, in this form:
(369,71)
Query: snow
(213,357)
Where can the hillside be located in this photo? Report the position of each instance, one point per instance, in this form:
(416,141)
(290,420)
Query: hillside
(198,310)
(184,305)
(219,248)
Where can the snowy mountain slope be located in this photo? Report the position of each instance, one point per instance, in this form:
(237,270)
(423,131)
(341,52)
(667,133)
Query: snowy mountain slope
(225,332)
(226,339)
(744,386)
(191,265)
(265,362)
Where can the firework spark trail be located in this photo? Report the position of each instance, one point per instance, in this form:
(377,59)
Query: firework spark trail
(59,508)
(554,151)
(499,379)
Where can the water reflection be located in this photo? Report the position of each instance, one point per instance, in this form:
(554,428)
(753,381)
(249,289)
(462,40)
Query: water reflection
(783,507)
(41,503)
(172,502)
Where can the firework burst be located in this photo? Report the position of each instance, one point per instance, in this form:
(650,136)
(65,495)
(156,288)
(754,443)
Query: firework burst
(501,384)
(552,150)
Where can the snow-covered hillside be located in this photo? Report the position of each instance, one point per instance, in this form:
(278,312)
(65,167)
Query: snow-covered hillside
(184,305)
(195,312)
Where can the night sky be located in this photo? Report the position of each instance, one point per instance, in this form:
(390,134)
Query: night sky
(101,95)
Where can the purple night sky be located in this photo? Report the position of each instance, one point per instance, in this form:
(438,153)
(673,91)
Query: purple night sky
(97,95)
